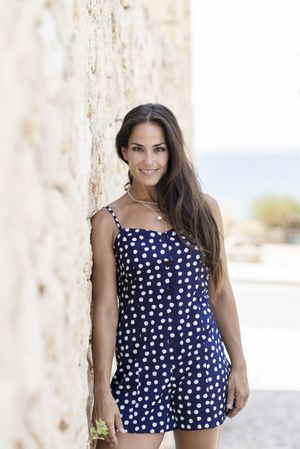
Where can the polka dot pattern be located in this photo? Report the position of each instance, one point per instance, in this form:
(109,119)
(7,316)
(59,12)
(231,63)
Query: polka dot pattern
(172,371)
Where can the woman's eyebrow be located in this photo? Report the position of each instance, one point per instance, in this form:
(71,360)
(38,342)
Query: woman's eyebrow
(140,145)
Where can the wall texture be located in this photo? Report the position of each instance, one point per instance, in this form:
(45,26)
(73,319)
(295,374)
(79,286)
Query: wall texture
(70,70)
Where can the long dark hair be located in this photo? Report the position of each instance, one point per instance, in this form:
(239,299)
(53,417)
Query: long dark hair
(179,193)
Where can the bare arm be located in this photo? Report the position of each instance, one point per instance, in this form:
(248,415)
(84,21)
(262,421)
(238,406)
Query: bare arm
(105,321)
(225,312)
(104,296)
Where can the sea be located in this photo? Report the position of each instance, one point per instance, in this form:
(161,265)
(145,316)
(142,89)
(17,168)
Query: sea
(236,179)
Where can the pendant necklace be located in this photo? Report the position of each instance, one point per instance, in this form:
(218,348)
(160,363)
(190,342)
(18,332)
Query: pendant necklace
(146,204)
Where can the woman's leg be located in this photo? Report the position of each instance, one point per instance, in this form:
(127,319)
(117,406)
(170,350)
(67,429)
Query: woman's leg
(134,441)
(197,439)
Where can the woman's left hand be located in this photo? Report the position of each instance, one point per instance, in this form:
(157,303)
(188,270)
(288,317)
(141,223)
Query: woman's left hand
(238,391)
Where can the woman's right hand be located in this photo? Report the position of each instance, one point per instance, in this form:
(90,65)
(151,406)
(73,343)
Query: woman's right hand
(106,408)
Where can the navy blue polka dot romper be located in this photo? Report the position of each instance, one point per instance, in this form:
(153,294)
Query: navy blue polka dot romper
(172,371)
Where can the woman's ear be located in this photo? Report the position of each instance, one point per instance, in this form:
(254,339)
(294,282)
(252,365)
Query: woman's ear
(124,153)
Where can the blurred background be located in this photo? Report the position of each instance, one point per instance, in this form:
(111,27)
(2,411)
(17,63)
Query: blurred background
(246,142)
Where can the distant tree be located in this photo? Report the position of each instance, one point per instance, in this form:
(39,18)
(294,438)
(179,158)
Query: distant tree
(275,210)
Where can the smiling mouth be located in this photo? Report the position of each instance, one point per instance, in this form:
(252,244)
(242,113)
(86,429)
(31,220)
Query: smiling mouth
(149,172)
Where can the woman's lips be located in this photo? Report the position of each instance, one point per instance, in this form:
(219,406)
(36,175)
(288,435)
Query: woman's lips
(149,172)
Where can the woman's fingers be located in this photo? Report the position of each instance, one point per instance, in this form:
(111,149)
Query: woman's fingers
(105,407)
(119,423)
(230,396)
(238,405)
(238,392)
(240,401)
(111,437)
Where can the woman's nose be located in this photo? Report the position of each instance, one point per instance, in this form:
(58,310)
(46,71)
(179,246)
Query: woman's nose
(148,157)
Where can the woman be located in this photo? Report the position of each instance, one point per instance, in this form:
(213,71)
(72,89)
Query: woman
(159,250)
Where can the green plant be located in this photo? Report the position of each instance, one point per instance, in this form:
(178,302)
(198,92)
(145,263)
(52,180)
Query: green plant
(100,431)
(275,210)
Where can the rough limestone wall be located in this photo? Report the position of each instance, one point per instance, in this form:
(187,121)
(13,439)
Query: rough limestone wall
(70,70)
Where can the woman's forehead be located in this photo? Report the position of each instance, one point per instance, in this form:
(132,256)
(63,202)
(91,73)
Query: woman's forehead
(147,130)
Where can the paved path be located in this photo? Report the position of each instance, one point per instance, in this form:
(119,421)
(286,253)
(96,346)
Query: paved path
(270,421)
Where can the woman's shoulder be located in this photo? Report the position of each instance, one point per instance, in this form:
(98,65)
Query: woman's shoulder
(211,201)
(102,218)
(215,210)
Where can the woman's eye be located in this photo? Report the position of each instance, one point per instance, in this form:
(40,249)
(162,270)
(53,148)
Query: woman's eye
(157,149)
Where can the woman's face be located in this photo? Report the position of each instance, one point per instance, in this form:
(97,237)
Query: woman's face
(147,153)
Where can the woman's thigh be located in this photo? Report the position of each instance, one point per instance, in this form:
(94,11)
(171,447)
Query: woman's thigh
(134,441)
(197,439)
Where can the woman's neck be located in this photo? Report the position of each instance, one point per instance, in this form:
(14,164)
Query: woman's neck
(143,193)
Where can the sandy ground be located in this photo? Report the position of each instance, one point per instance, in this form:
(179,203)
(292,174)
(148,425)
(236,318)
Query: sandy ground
(268,300)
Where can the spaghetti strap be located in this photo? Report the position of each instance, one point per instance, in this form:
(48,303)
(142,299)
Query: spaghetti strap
(114,217)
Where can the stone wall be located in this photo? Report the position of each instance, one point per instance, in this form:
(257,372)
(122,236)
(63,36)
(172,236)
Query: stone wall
(70,70)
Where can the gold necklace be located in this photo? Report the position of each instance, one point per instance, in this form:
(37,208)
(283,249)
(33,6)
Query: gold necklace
(141,201)
(146,204)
